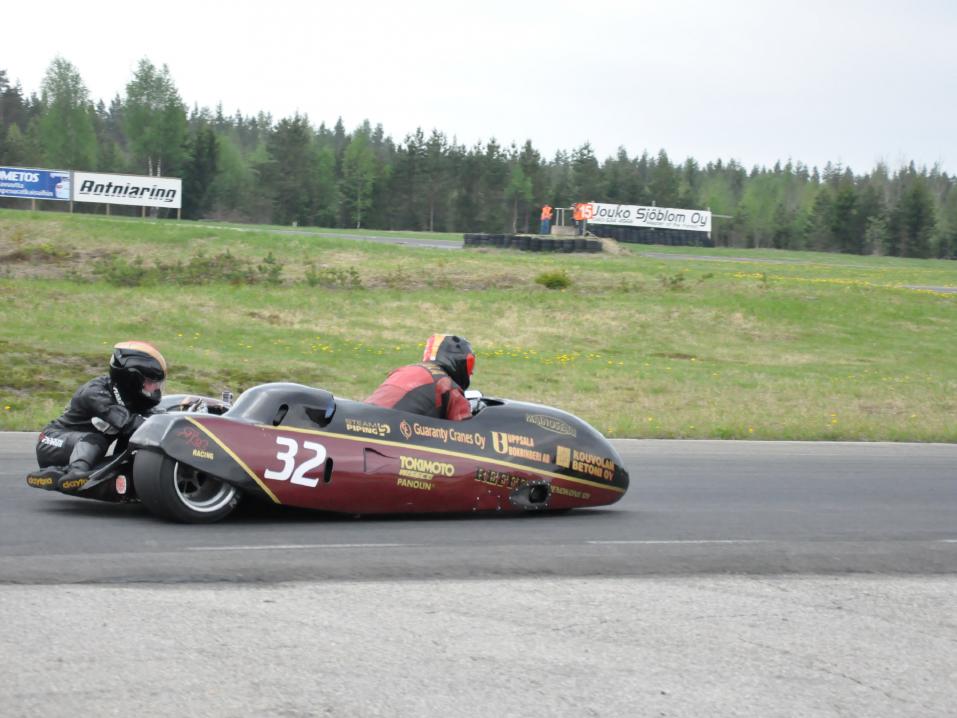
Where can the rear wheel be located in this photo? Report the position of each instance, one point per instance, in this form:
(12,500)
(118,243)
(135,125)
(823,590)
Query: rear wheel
(178,492)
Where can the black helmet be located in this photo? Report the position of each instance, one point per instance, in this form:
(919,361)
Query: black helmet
(452,353)
(131,365)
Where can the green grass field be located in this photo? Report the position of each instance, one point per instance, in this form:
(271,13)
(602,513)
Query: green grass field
(647,342)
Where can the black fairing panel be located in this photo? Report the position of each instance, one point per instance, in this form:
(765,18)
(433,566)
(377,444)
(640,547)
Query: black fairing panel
(284,403)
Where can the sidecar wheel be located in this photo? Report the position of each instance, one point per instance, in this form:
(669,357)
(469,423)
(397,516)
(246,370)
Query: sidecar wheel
(178,492)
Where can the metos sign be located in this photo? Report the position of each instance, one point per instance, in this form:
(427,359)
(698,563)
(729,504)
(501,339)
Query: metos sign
(128,189)
(632,215)
(30,183)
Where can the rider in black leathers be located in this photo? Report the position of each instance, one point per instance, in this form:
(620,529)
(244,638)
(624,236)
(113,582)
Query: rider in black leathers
(106,409)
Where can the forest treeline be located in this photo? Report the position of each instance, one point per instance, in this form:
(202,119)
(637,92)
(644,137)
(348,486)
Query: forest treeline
(263,170)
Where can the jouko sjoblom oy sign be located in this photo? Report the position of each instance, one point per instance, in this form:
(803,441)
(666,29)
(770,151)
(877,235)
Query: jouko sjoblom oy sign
(631,215)
(30,183)
(128,189)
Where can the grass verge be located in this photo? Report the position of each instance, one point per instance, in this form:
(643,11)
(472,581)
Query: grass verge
(768,345)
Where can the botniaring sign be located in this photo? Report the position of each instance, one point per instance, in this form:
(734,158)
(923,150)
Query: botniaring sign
(128,189)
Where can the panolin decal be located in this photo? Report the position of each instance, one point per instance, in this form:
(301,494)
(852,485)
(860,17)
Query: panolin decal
(417,473)
(518,446)
(499,478)
(372,428)
(551,423)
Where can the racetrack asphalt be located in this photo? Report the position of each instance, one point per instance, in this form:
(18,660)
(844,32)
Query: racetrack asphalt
(735,578)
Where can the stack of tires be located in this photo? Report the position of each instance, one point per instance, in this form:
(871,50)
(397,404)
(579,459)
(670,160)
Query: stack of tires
(532,243)
(650,235)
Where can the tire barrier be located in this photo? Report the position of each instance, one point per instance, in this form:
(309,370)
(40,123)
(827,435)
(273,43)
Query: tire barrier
(649,235)
(532,243)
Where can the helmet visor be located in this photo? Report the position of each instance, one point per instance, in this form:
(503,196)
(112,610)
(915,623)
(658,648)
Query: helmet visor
(153,387)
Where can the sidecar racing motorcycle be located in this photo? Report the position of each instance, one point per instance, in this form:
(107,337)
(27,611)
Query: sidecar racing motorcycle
(300,446)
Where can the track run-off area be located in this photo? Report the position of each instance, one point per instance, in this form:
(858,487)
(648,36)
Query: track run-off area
(734,578)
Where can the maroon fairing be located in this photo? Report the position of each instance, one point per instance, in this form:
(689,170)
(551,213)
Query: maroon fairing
(297,446)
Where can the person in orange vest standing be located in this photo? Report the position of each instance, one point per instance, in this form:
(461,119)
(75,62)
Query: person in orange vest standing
(546,219)
(579,216)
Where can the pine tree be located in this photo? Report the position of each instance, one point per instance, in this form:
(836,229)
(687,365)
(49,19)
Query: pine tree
(200,173)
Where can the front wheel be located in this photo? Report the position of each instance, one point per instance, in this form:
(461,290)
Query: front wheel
(178,492)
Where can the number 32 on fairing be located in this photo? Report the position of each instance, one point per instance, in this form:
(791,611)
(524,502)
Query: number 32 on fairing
(287,455)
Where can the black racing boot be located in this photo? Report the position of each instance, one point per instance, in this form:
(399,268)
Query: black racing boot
(45,478)
(74,478)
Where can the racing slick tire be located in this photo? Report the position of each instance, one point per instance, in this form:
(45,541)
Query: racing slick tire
(178,492)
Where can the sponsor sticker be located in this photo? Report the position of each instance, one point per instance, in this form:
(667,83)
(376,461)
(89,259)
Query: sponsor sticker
(551,423)
(518,446)
(51,441)
(585,463)
(418,473)
(499,478)
(426,469)
(193,438)
(572,493)
(201,454)
(372,428)
(413,484)
(441,433)
(563,456)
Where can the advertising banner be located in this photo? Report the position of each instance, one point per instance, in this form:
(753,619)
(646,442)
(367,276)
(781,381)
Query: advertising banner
(27,183)
(128,189)
(630,215)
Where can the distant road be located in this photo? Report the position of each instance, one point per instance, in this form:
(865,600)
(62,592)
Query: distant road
(378,238)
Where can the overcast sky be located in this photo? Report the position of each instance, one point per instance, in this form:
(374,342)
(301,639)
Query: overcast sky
(850,82)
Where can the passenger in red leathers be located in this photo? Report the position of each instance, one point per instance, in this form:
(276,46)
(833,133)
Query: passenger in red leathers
(435,386)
